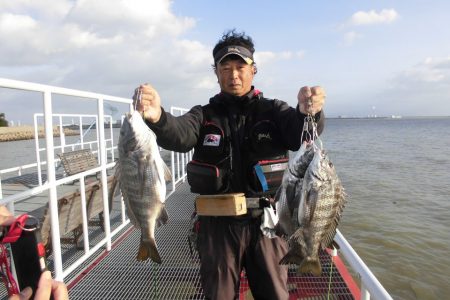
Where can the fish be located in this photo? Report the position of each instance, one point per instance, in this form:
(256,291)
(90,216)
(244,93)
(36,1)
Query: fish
(322,201)
(287,196)
(142,176)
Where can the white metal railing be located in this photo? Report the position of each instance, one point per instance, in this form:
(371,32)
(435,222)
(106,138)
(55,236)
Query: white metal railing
(179,160)
(50,186)
(369,284)
(81,143)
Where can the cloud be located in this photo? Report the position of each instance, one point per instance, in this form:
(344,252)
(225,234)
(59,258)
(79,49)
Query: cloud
(85,25)
(365,18)
(106,46)
(371,17)
(138,18)
(46,10)
(300,54)
(264,58)
(350,37)
(422,89)
(431,71)
(84,29)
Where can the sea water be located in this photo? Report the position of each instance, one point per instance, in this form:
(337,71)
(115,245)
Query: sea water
(396,173)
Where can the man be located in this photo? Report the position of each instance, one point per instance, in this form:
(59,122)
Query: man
(236,132)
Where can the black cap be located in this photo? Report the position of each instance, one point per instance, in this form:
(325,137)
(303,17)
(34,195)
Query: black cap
(241,51)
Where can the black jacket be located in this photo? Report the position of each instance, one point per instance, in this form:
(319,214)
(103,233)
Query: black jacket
(254,129)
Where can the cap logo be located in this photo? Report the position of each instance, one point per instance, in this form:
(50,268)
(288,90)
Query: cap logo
(241,51)
(231,49)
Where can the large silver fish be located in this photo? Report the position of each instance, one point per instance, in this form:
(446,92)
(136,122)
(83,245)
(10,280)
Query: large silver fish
(288,194)
(142,178)
(321,204)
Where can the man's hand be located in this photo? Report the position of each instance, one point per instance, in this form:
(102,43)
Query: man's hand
(147,102)
(311,100)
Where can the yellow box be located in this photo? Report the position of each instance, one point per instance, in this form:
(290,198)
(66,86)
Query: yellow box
(221,205)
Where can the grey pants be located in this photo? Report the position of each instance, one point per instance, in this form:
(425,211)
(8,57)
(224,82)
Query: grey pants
(227,245)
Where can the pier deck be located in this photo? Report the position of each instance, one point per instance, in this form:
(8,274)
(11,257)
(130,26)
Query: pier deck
(117,274)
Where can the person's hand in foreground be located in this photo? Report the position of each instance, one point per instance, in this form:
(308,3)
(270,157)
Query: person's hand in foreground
(46,287)
(6,218)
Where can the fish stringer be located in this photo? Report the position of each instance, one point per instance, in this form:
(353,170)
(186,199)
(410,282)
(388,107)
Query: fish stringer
(138,98)
(309,132)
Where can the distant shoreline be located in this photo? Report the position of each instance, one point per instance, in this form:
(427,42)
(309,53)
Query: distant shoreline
(387,117)
(17,133)
(26,132)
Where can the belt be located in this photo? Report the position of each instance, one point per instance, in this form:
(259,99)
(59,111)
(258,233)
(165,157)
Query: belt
(255,206)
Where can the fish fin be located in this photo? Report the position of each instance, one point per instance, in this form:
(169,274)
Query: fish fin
(290,193)
(328,238)
(310,265)
(131,215)
(293,194)
(112,189)
(147,249)
(167,172)
(278,193)
(162,218)
(291,258)
(312,199)
(117,170)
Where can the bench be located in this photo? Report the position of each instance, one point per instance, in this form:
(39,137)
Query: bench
(95,203)
(78,161)
(71,217)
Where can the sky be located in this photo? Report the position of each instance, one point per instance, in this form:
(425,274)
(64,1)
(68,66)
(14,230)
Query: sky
(372,57)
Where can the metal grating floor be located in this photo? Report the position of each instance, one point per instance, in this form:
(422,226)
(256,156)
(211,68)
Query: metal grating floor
(117,274)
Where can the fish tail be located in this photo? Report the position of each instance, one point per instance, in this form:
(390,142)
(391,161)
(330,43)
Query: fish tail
(310,265)
(147,249)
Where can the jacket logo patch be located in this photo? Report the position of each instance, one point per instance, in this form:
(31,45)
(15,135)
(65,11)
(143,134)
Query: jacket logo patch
(265,136)
(211,140)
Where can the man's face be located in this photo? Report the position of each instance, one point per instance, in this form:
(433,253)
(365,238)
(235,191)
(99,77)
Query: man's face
(235,76)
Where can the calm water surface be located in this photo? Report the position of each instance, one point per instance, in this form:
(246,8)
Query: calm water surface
(396,173)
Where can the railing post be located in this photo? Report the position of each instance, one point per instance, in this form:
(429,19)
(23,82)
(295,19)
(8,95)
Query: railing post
(172,160)
(102,153)
(38,150)
(97,129)
(1,191)
(81,132)
(62,140)
(84,215)
(365,295)
(51,178)
(112,138)
(183,163)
